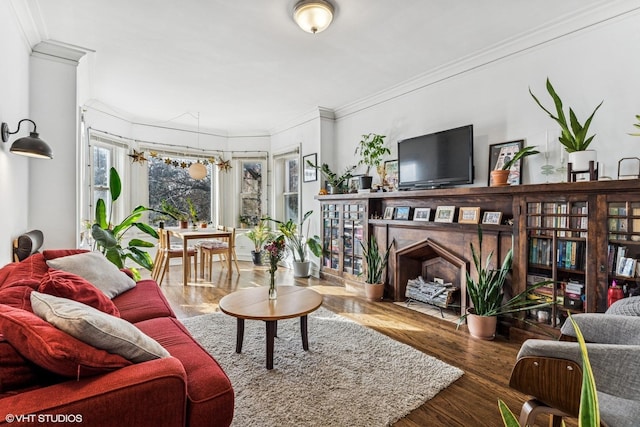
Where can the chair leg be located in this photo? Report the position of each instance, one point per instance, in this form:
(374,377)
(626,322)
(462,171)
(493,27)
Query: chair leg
(164,267)
(235,261)
(532,408)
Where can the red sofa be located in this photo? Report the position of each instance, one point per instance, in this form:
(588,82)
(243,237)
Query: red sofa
(187,389)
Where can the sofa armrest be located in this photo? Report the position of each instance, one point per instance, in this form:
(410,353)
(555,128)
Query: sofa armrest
(606,328)
(149,393)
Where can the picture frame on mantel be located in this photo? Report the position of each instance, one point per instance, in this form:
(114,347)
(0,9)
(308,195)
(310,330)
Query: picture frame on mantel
(444,214)
(310,173)
(501,153)
(469,215)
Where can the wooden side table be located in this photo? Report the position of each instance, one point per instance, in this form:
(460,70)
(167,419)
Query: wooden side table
(254,304)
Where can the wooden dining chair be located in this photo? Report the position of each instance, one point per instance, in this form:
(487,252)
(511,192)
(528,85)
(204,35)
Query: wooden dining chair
(167,251)
(220,247)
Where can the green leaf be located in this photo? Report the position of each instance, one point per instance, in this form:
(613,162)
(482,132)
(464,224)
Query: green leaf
(589,415)
(140,257)
(101,214)
(508,418)
(140,243)
(115,256)
(104,238)
(115,185)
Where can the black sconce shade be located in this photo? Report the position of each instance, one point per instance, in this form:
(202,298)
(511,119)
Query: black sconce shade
(31,145)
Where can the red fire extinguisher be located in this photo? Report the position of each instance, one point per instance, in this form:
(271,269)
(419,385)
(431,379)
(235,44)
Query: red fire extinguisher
(615,293)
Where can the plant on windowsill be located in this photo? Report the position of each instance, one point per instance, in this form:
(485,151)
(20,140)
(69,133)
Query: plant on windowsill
(636,125)
(372,149)
(259,235)
(486,294)
(337,183)
(298,244)
(193,213)
(175,213)
(108,237)
(375,265)
(500,177)
(573,135)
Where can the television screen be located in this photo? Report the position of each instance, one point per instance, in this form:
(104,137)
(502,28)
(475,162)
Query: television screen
(437,159)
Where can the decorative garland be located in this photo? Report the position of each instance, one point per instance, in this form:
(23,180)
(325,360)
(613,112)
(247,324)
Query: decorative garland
(138,157)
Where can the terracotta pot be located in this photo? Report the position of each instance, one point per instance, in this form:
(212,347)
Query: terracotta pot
(184,224)
(481,327)
(499,178)
(374,291)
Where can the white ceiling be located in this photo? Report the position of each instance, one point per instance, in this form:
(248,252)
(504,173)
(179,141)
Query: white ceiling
(244,65)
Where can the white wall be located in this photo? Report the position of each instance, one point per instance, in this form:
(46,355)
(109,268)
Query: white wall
(14,106)
(599,63)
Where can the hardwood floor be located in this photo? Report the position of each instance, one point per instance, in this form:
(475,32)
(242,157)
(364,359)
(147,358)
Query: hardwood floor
(470,401)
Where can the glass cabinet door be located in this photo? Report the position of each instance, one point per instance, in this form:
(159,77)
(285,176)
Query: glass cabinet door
(353,232)
(331,236)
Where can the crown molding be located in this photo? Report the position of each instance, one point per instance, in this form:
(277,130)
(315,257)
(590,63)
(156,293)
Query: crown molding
(606,13)
(31,26)
(322,113)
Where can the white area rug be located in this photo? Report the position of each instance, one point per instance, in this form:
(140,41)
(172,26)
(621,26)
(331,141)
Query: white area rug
(351,376)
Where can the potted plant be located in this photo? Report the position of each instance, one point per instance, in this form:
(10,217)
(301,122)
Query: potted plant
(372,149)
(636,125)
(500,177)
(175,213)
(375,264)
(298,244)
(574,135)
(336,182)
(259,235)
(108,237)
(193,213)
(486,294)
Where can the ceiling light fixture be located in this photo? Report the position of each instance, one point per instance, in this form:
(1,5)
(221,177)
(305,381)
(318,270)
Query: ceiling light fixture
(313,16)
(197,170)
(31,145)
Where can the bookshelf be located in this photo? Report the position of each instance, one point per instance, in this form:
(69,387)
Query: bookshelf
(623,243)
(557,251)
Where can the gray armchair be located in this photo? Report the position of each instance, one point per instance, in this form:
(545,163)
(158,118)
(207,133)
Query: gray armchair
(551,371)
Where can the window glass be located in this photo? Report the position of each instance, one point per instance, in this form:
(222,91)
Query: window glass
(251,192)
(290,193)
(169,181)
(102,161)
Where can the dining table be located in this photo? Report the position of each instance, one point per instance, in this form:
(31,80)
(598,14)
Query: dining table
(186,234)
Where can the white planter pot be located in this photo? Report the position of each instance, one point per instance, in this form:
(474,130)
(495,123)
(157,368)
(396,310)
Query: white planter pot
(580,160)
(301,269)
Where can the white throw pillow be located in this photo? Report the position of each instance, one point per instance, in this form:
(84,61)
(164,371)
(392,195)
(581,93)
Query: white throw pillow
(96,328)
(97,270)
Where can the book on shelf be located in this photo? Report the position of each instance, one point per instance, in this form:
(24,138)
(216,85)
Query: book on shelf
(635,222)
(627,267)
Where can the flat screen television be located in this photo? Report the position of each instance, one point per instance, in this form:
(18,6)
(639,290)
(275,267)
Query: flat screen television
(436,160)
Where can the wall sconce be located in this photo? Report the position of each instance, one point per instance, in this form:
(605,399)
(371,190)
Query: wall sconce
(31,145)
(313,16)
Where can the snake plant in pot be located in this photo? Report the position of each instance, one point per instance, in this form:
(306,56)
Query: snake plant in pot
(487,294)
(298,244)
(573,134)
(375,265)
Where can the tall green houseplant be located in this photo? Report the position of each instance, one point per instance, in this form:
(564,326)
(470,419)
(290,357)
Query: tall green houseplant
(109,237)
(372,150)
(574,135)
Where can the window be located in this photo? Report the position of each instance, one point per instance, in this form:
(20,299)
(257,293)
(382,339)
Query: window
(169,181)
(251,182)
(291,184)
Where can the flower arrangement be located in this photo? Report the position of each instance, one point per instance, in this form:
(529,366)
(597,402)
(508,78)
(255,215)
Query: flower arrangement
(275,251)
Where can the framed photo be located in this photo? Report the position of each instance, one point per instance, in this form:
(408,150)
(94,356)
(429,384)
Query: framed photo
(421,214)
(388,212)
(391,171)
(402,212)
(444,214)
(469,215)
(492,218)
(310,173)
(501,153)
(354,183)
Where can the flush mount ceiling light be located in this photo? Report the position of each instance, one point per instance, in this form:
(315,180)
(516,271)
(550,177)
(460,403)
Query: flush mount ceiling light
(313,16)
(31,145)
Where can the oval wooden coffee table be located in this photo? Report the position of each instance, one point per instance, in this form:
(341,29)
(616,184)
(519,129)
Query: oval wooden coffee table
(254,304)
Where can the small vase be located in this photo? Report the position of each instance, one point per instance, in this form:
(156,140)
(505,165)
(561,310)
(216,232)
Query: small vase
(273,292)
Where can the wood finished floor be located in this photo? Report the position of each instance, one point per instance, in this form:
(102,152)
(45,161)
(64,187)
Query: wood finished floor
(470,401)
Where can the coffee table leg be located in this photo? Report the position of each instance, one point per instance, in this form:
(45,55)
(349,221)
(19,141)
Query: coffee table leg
(240,336)
(303,330)
(272,326)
